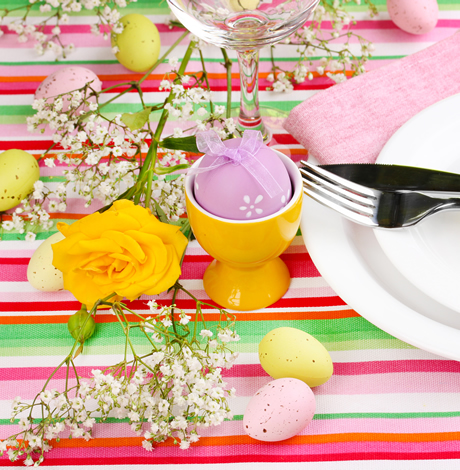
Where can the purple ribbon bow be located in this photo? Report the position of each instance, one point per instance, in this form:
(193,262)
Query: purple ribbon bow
(209,142)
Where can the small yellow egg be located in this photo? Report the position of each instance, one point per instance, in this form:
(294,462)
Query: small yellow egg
(242,5)
(41,273)
(138,44)
(290,352)
(18,173)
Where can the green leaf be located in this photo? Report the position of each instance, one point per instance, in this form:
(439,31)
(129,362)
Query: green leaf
(161,213)
(187,144)
(137,120)
(164,170)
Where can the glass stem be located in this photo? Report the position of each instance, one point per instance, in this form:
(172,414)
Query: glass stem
(249,116)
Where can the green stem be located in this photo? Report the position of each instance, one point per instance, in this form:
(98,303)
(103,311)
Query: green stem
(205,76)
(150,159)
(117,96)
(228,67)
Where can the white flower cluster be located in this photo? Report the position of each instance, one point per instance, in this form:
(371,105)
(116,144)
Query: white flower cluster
(313,41)
(185,99)
(106,13)
(171,392)
(87,138)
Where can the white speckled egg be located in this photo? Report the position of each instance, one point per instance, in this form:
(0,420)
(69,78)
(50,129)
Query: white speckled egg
(41,273)
(65,80)
(231,192)
(279,410)
(414,16)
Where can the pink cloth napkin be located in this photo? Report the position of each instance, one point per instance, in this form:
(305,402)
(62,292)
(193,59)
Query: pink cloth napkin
(352,121)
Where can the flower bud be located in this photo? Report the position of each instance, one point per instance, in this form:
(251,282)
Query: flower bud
(76,322)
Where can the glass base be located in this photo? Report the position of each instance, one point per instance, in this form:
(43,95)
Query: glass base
(272,120)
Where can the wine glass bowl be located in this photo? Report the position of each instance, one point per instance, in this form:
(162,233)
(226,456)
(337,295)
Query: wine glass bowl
(242,24)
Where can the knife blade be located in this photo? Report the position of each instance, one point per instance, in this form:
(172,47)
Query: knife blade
(396,177)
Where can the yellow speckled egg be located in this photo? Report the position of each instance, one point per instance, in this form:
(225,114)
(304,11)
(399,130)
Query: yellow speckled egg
(290,352)
(41,273)
(18,173)
(241,5)
(139,43)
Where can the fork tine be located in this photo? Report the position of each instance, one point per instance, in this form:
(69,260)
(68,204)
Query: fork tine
(338,180)
(338,199)
(339,190)
(346,212)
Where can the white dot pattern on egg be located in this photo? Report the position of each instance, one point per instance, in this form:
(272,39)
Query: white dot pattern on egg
(279,410)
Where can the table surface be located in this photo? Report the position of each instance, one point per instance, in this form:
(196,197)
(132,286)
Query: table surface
(388,404)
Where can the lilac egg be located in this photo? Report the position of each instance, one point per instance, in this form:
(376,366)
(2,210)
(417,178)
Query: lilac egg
(231,192)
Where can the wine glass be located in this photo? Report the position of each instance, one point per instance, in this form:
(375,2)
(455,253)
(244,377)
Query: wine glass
(244,26)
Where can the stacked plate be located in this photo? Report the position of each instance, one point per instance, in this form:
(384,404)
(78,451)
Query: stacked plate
(405,281)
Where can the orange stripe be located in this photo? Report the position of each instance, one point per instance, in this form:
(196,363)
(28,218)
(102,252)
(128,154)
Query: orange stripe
(136,77)
(242,316)
(63,216)
(245,440)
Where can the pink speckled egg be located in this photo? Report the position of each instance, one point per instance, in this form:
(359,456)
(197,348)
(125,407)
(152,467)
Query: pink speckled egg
(231,192)
(279,410)
(65,80)
(414,16)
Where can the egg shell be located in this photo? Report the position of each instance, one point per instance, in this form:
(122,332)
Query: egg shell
(290,352)
(231,192)
(138,44)
(65,80)
(41,273)
(414,16)
(279,410)
(18,173)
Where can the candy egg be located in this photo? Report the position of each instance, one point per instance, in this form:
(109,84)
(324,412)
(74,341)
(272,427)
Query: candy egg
(279,410)
(231,192)
(414,16)
(41,273)
(18,173)
(290,352)
(138,44)
(66,80)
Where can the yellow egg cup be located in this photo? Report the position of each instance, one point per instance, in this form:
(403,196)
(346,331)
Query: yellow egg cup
(247,273)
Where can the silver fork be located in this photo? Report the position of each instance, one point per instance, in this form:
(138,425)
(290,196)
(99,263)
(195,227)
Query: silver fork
(368,206)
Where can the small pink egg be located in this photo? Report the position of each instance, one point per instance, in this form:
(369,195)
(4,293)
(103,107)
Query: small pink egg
(65,80)
(414,16)
(231,192)
(279,410)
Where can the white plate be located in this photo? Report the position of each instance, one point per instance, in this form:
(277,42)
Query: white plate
(428,254)
(349,257)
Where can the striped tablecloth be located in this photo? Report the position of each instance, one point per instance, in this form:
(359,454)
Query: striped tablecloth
(387,406)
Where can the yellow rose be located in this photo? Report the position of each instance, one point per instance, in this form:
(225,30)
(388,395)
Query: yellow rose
(126,250)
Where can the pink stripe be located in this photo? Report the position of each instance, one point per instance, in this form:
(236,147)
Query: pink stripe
(255,370)
(257,448)
(418,382)
(10,41)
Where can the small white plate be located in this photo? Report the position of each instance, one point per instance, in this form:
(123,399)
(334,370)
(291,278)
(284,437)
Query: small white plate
(428,254)
(350,259)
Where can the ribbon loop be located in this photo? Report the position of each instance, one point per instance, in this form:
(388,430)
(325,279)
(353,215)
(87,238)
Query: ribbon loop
(209,142)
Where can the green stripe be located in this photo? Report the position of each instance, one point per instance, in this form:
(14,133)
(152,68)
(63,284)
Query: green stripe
(24,340)
(316,417)
(442,414)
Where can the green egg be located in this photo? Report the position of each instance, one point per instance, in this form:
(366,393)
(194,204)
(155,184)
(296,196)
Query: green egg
(18,173)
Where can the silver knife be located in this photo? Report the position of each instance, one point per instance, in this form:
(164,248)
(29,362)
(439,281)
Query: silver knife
(396,177)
